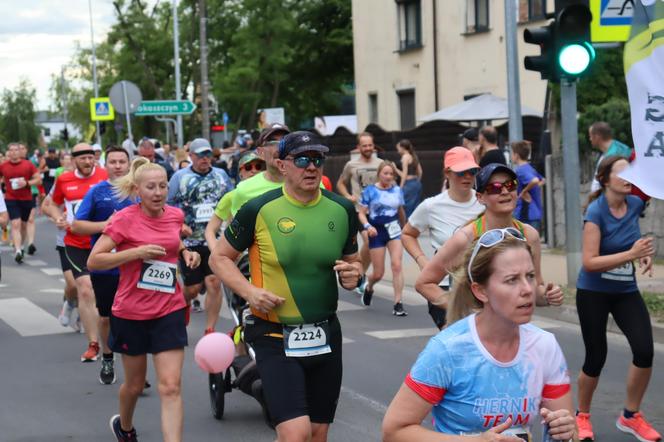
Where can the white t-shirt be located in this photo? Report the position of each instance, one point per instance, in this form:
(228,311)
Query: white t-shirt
(3,207)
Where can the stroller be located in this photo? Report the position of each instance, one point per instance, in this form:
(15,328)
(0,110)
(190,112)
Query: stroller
(242,373)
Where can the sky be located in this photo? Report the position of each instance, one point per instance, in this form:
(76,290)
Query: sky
(38,37)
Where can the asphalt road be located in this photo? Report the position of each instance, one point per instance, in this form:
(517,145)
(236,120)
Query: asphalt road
(46,394)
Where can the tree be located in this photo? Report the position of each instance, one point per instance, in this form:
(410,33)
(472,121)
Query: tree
(17,115)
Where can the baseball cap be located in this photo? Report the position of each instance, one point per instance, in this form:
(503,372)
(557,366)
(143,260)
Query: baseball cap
(248,158)
(300,141)
(200,145)
(459,159)
(96,147)
(483,177)
(268,132)
(471,134)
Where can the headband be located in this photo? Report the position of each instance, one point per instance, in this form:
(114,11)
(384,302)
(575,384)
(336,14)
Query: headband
(82,152)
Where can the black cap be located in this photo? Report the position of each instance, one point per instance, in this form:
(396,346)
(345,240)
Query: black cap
(300,141)
(471,134)
(268,132)
(482,178)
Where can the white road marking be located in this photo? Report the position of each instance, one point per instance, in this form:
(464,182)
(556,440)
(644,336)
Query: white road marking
(3,286)
(347,341)
(345,306)
(35,262)
(29,319)
(403,333)
(371,403)
(62,280)
(409,297)
(51,290)
(52,271)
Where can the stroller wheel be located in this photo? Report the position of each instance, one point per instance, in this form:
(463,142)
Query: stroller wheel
(217,391)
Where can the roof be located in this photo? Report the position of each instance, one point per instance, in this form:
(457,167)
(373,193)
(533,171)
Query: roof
(484,107)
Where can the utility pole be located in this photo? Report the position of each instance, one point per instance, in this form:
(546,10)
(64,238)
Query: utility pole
(513,93)
(63,86)
(176,60)
(205,86)
(94,67)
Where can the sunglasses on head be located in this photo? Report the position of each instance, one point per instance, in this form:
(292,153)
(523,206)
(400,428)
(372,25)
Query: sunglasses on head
(254,165)
(304,161)
(496,188)
(463,173)
(490,239)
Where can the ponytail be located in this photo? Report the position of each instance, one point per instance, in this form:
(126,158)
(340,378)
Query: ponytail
(125,187)
(603,175)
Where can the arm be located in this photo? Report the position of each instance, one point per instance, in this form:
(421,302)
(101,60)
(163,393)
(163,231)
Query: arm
(211,231)
(350,271)
(409,235)
(402,216)
(83,227)
(403,172)
(53,211)
(559,415)
(35,180)
(420,172)
(362,216)
(593,262)
(525,193)
(341,186)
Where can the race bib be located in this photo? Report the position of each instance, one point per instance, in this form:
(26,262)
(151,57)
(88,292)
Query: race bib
(203,212)
(305,340)
(393,229)
(158,275)
(624,273)
(16,183)
(72,208)
(51,172)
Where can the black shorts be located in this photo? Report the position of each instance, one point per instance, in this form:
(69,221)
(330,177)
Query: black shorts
(19,209)
(438,314)
(197,275)
(136,337)
(78,260)
(294,387)
(104,285)
(64,262)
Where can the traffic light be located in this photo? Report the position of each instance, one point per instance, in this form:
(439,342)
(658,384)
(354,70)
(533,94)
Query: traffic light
(102,128)
(543,63)
(64,134)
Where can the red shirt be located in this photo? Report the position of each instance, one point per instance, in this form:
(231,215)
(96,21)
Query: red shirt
(129,228)
(11,172)
(69,189)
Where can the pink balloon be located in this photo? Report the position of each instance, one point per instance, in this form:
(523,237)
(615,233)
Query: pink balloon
(214,352)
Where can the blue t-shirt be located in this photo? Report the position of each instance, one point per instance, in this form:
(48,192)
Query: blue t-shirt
(618,235)
(98,205)
(525,173)
(383,204)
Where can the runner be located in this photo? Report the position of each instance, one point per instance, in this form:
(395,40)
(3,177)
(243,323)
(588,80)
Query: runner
(443,214)
(37,197)
(496,189)
(52,163)
(489,372)
(19,174)
(607,284)
(196,190)
(382,215)
(69,190)
(4,219)
(97,207)
(301,379)
(149,308)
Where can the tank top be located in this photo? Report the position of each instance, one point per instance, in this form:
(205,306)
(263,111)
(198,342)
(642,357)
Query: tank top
(479,226)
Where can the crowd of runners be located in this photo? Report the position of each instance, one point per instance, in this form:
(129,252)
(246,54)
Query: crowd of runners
(144,232)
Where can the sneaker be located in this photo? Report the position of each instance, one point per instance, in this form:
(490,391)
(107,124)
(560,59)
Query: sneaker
(92,353)
(65,313)
(196,306)
(78,325)
(639,427)
(107,372)
(147,384)
(585,427)
(366,297)
(361,288)
(32,249)
(398,310)
(208,331)
(119,433)
(18,257)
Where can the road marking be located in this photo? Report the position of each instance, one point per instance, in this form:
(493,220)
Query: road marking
(409,297)
(345,306)
(347,340)
(51,290)
(371,403)
(29,319)
(545,323)
(403,333)
(62,280)
(6,249)
(52,271)
(3,286)
(35,262)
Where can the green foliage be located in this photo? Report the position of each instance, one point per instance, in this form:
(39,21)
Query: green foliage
(616,112)
(17,115)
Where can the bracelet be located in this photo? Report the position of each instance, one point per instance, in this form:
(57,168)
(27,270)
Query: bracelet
(366,226)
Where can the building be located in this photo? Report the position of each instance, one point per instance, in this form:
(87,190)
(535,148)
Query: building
(413,57)
(52,126)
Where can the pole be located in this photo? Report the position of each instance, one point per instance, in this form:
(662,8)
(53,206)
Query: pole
(513,93)
(127,111)
(176,60)
(549,201)
(64,102)
(572,172)
(205,86)
(94,67)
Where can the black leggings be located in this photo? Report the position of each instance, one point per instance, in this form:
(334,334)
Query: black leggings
(631,315)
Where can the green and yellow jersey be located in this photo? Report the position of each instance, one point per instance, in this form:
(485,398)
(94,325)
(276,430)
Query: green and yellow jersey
(293,248)
(223,208)
(251,188)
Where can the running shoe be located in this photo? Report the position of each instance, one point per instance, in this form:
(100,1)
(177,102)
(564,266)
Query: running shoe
(366,297)
(361,288)
(398,310)
(119,433)
(638,427)
(65,313)
(18,256)
(107,372)
(196,306)
(92,353)
(32,249)
(585,427)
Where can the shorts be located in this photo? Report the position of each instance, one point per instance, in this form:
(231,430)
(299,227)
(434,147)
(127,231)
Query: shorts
(139,337)
(382,238)
(104,285)
(65,265)
(197,275)
(19,209)
(78,259)
(438,314)
(294,387)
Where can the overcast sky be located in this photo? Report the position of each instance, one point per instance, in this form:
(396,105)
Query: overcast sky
(37,37)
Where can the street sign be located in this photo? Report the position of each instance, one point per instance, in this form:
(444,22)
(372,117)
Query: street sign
(125,97)
(101,109)
(612,20)
(225,119)
(165,107)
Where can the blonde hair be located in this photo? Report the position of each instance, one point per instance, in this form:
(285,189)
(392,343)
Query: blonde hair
(180,155)
(462,300)
(125,187)
(383,165)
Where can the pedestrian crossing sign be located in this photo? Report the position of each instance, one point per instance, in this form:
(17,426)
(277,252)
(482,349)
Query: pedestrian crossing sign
(612,20)
(101,109)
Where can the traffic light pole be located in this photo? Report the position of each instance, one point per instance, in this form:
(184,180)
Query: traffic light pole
(513,93)
(571,173)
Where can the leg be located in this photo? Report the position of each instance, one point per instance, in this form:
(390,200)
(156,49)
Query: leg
(70,287)
(191,291)
(4,219)
(212,301)
(378,263)
(395,249)
(87,307)
(168,365)
(319,432)
(131,388)
(295,430)
(30,228)
(365,257)
(16,233)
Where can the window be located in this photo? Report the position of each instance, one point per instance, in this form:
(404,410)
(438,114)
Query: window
(531,10)
(407,108)
(373,108)
(477,16)
(47,132)
(410,24)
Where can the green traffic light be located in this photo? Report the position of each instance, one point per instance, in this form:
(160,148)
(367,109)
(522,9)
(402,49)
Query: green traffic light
(575,58)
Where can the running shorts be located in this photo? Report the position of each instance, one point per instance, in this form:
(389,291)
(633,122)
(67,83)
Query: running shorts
(64,262)
(197,275)
(19,209)
(78,259)
(139,337)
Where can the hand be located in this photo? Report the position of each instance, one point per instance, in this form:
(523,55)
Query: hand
(554,294)
(264,301)
(561,423)
(348,274)
(526,197)
(646,264)
(21,182)
(372,232)
(353,198)
(150,251)
(61,223)
(191,259)
(185,231)
(643,247)
(494,434)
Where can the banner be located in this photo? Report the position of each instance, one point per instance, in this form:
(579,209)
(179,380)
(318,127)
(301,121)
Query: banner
(644,74)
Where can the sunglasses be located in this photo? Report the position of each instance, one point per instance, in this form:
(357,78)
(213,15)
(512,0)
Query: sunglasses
(257,166)
(204,154)
(304,161)
(490,239)
(496,188)
(463,173)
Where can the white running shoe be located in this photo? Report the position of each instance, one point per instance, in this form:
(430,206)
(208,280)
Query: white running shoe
(65,313)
